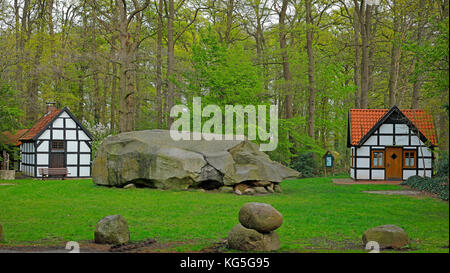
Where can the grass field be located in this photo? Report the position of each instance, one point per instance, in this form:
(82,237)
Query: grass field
(318,215)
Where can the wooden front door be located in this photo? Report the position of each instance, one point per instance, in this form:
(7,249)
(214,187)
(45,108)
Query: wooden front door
(394,163)
(57,160)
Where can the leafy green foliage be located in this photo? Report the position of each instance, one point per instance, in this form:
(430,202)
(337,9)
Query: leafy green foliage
(442,165)
(221,75)
(9,113)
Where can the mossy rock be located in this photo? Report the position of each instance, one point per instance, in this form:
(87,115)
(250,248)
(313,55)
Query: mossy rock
(387,236)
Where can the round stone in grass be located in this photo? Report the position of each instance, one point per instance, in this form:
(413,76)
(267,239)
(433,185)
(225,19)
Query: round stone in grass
(260,216)
(112,229)
(387,236)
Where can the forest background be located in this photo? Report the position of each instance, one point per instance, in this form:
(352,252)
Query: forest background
(120,65)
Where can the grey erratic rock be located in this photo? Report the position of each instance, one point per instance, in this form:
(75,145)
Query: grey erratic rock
(152,158)
(241,238)
(112,229)
(387,236)
(260,216)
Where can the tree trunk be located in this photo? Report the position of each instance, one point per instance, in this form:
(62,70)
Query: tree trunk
(357,69)
(139,95)
(311,86)
(417,84)
(159,66)
(113,97)
(395,61)
(95,71)
(365,36)
(393,74)
(230,7)
(170,60)
(33,85)
(285,61)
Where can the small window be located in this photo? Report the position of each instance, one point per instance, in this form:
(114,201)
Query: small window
(57,145)
(409,160)
(377,159)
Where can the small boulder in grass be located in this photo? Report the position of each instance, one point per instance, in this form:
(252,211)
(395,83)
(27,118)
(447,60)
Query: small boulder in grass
(260,216)
(387,236)
(112,229)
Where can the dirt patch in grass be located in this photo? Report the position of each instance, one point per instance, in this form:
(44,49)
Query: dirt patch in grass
(400,192)
(145,246)
(217,247)
(326,244)
(349,181)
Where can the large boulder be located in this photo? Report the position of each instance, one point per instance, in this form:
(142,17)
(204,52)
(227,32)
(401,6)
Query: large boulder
(260,216)
(387,236)
(152,158)
(112,229)
(244,239)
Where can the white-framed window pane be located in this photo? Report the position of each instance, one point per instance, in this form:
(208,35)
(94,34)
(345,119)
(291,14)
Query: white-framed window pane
(379,157)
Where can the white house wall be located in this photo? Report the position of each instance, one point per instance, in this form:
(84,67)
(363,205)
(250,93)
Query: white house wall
(363,151)
(27,153)
(390,135)
(408,173)
(45,135)
(363,162)
(362,174)
(377,174)
(44,146)
(401,129)
(416,141)
(386,129)
(425,152)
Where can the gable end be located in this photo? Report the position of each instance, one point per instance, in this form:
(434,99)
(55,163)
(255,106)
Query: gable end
(394,116)
(64,110)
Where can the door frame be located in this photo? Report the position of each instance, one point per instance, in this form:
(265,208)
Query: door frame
(62,153)
(400,172)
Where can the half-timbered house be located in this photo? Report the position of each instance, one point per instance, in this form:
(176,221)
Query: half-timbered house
(390,144)
(57,140)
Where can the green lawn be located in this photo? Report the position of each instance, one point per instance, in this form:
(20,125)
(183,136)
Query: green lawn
(318,215)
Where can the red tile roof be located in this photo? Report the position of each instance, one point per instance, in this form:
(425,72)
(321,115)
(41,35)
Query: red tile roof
(40,124)
(10,139)
(362,120)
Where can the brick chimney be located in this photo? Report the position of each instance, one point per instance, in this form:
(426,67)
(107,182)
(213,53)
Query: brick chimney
(51,106)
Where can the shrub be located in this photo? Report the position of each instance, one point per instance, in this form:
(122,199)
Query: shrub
(442,165)
(305,164)
(436,185)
